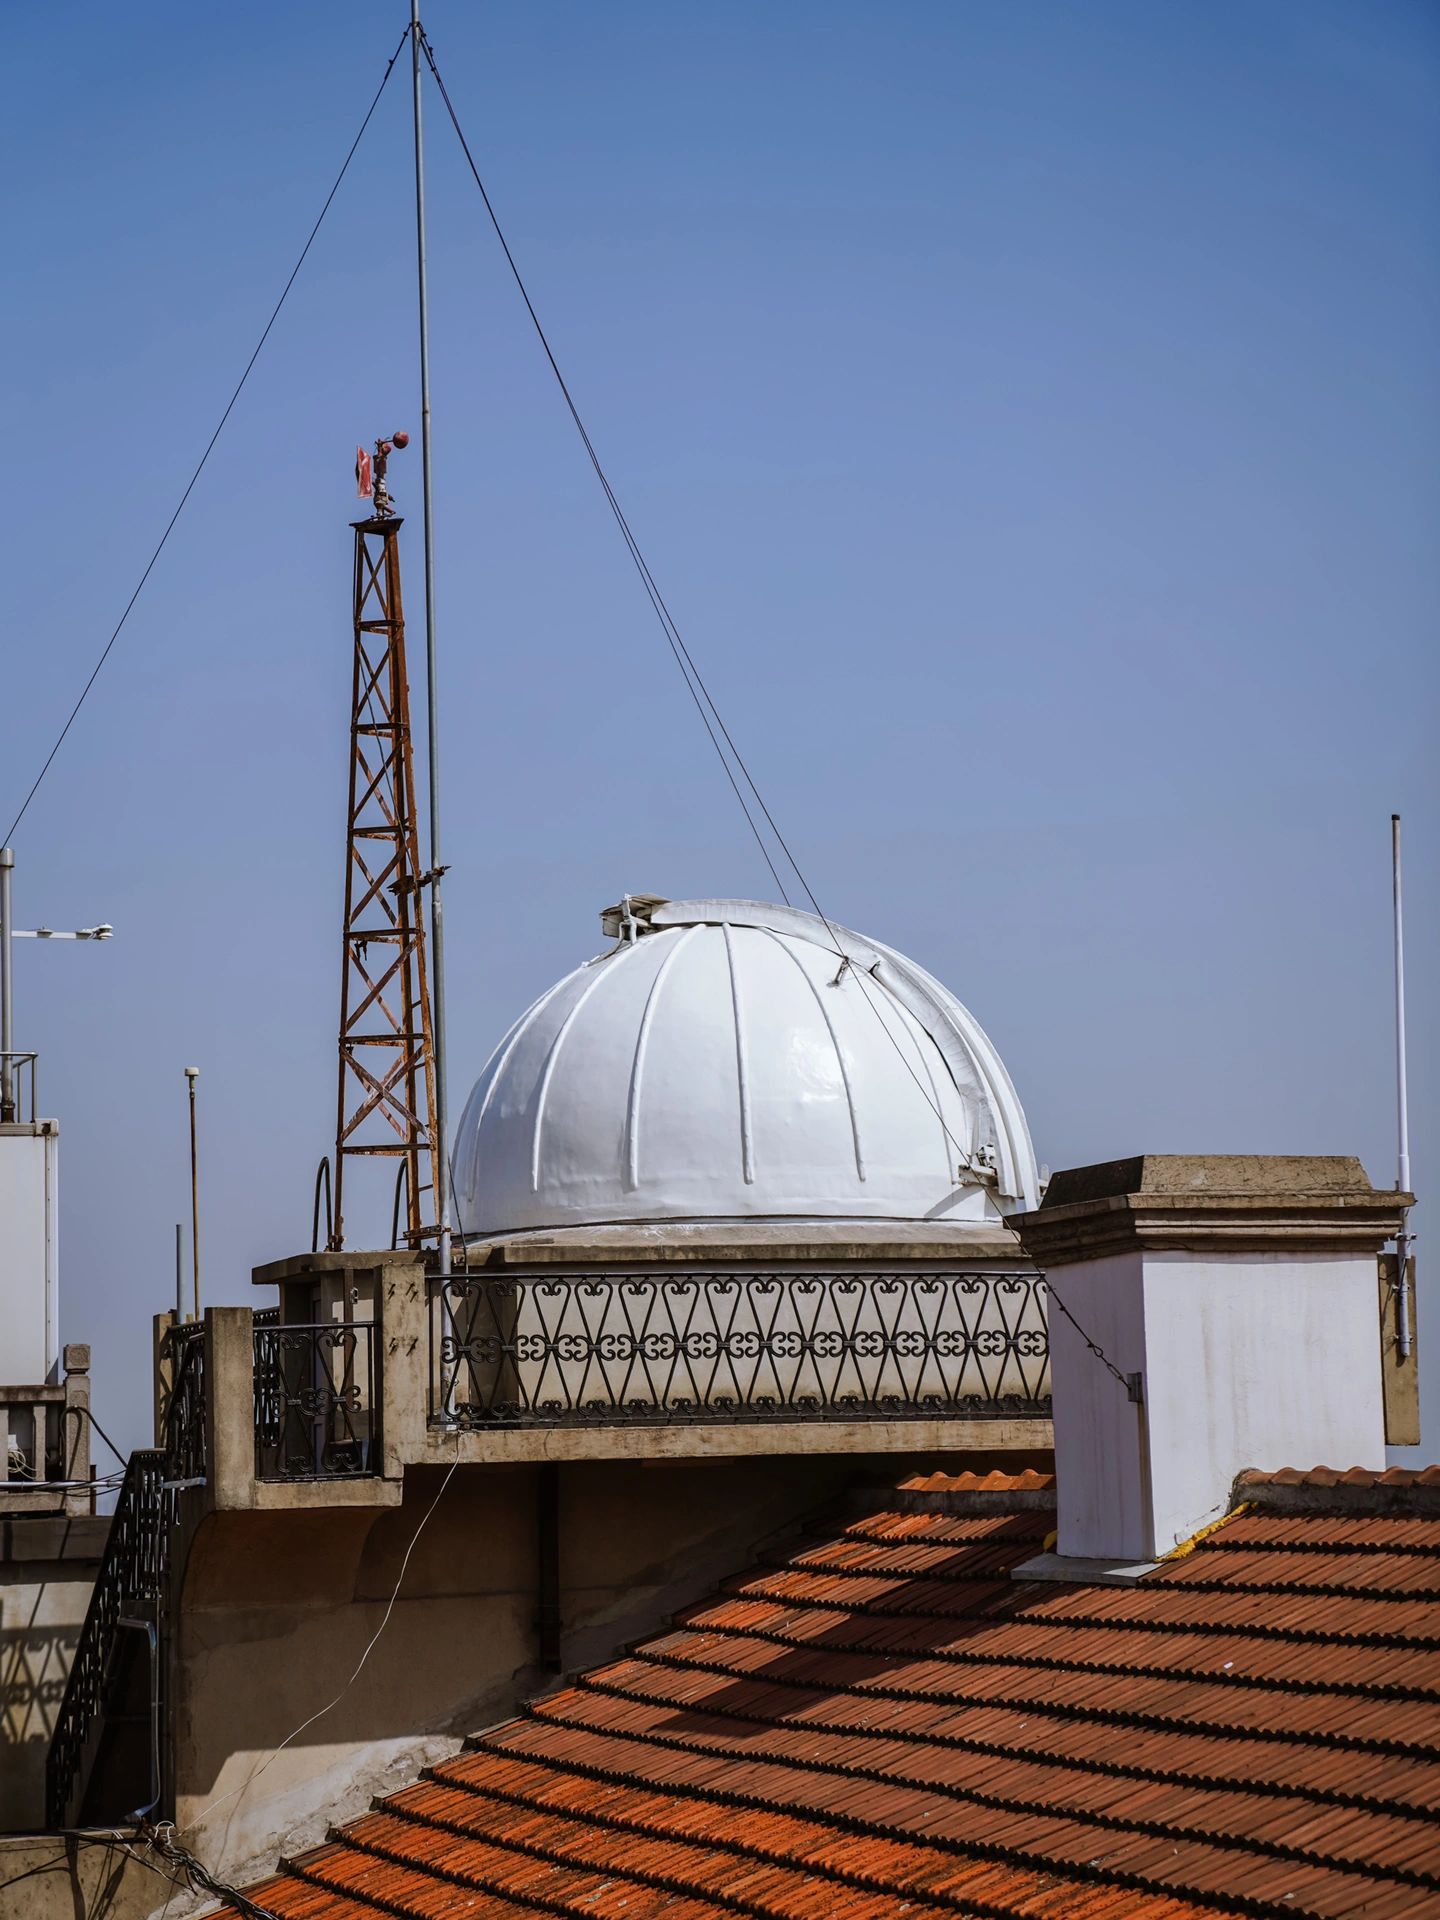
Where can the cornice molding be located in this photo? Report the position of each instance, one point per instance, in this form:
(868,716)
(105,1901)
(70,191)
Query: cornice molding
(1211,1204)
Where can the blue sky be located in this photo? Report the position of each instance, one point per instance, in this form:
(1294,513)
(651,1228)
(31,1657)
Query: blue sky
(1029,412)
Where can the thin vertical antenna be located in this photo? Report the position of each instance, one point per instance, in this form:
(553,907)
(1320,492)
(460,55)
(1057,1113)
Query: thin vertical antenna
(1402,1099)
(7,1037)
(192,1074)
(440,1156)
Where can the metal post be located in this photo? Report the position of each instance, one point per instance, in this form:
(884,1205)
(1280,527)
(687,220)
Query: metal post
(192,1074)
(440,1169)
(1402,1099)
(179,1273)
(7,1040)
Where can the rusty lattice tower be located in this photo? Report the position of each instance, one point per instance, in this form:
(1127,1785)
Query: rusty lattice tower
(386,1100)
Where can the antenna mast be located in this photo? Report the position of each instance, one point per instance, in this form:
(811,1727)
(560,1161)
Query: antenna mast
(440,1129)
(1402,1102)
(386,1100)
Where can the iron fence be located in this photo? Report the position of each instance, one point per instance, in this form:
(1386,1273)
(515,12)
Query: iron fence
(185,1408)
(316,1409)
(571,1349)
(129,1595)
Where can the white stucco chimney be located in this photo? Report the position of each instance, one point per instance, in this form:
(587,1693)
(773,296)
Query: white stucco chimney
(1239,1295)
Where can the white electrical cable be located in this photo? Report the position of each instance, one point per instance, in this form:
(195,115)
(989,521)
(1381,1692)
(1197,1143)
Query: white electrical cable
(320,1712)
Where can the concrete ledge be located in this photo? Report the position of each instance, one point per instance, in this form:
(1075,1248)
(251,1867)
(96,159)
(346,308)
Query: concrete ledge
(1083,1573)
(754,1243)
(358,1490)
(54,1537)
(295,1265)
(727,1440)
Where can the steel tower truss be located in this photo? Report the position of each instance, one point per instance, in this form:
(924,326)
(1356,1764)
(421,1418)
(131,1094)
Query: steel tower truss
(386,1102)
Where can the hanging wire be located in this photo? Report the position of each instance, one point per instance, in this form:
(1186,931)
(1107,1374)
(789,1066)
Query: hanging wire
(683,657)
(210,445)
(698,691)
(697,688)
(320,1712)
(190,1874)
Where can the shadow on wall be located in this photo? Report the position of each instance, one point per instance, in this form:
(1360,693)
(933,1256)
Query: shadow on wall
(35,1662)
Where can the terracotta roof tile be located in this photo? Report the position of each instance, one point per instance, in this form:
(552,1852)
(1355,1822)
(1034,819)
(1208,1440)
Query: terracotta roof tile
(1030,1481)
(1352,1489)
(884,1721)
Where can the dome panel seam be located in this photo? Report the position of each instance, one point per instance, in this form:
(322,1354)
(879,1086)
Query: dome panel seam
(637,1065)
(747,1134)
(794,958)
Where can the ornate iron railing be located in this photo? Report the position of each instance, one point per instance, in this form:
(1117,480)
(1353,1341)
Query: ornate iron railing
(316,1411)
(572,1349)
(185,1407)
(129,1594)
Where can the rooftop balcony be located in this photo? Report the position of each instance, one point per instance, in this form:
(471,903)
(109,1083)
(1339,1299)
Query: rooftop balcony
(370,1364)
(682,1350)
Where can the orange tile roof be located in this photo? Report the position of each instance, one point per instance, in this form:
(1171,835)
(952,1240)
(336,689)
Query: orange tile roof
(883,1722)
(1030,1481)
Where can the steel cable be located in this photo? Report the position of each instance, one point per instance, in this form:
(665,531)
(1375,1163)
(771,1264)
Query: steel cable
(210,446)
(683,660)
(694,680)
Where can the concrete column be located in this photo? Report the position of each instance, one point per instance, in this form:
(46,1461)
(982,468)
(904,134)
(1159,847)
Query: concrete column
(75,1358)
(402,1309)
(230,1405)
(163,1369)
(1234,1295)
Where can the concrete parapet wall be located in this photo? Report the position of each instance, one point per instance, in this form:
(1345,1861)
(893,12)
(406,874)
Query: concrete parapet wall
(279,1607)
(47,1877)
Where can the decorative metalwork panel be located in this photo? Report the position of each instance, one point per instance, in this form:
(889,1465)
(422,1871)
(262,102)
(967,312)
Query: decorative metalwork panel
(548,1349)
(129,1590)
(316,1413)
(185,1408)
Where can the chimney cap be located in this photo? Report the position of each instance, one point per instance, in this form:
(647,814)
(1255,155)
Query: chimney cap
(1211,1203)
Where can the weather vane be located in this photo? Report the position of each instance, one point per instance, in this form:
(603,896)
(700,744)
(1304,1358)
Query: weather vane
(370,473)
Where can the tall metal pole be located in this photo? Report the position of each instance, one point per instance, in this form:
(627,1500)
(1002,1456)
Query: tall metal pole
(7,1038)
(192,1074)
(1402,1098)
(440,1167)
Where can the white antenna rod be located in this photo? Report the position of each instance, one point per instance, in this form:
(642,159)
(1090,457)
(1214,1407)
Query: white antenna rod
(1402,1100)
(439,1146)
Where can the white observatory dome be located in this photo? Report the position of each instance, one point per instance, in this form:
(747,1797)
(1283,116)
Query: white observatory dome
(729,1060)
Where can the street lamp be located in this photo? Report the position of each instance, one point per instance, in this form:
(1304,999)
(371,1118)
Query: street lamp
(8,1056)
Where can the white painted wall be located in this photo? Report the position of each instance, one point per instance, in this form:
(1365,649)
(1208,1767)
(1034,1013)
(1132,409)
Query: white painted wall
(1249,1360)
(29,1275)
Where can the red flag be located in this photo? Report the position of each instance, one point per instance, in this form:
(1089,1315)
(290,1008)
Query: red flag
(364,473)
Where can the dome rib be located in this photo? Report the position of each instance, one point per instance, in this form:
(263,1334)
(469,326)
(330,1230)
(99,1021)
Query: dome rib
(747,1125)
(500,1059)
(607,971)
(637,1065)
(844,1065)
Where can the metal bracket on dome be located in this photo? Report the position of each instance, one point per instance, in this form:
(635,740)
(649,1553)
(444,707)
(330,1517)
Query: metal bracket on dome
(631,917)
